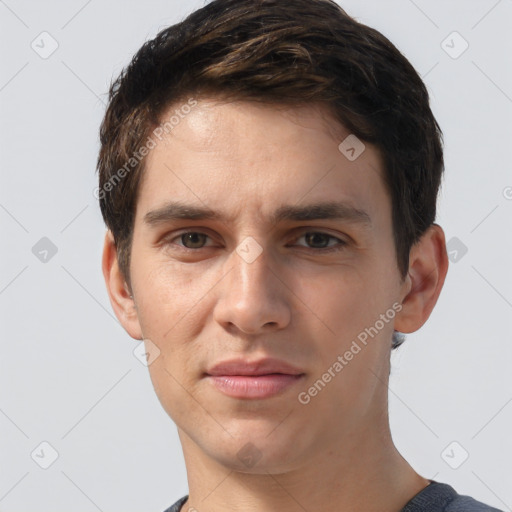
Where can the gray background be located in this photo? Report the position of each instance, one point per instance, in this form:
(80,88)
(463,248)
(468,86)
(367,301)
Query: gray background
(68,375)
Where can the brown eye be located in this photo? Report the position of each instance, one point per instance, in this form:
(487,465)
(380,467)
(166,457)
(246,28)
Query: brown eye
(193,239)
(319,241)
(317,238)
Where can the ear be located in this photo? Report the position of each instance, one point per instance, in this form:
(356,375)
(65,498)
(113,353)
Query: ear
(118,290)
(428,265)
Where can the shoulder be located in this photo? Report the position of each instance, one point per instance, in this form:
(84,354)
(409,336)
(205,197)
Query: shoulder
(439,497)
(467,504)
(177,506)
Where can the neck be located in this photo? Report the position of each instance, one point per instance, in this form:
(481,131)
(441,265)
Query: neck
(362,472)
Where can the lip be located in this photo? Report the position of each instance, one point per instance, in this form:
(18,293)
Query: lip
(264,366)
(259,386)
(259,379)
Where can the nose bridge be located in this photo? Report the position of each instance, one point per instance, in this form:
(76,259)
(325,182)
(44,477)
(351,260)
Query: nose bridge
(252,274)
(251,254)
(252,296)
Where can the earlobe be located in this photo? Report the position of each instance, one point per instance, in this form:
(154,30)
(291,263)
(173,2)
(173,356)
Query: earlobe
(120,296)
(428,266)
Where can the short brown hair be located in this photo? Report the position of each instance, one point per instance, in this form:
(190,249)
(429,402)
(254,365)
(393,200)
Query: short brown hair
(281,52)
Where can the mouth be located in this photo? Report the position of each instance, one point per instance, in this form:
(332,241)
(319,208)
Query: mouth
(258,379)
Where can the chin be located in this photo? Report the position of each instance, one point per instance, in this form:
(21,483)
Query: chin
(258,452)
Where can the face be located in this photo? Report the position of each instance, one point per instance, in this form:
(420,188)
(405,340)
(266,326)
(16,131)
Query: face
(295,263)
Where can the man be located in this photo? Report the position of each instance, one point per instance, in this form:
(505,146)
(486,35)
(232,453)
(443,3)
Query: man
(269,172)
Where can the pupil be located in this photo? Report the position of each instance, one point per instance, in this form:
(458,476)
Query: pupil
(311,236)
(191,237)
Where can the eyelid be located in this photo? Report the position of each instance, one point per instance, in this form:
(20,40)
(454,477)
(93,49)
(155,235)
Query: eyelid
(341,243)
(309,231)
(172,237)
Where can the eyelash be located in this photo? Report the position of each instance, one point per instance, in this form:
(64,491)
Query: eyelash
(324,250)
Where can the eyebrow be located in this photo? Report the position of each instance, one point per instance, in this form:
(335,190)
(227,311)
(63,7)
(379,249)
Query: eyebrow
(335,210)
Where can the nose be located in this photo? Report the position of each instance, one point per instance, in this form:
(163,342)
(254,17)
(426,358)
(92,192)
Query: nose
(254,296)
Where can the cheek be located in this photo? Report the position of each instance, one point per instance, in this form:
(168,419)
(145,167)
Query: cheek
(338,300)
(343,308)
(166,293)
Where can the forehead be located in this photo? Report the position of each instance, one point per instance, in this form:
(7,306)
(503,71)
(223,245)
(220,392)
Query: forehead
(240,155)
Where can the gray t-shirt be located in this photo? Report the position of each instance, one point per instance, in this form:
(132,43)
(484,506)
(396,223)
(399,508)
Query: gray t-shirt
(436,497)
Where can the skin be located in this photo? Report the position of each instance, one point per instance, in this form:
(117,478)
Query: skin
(293,302)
